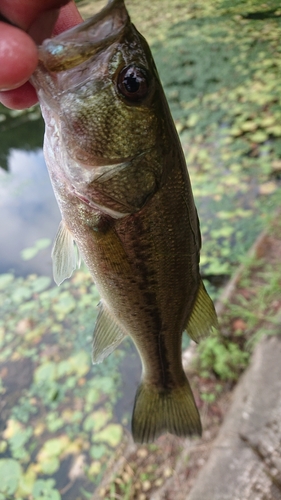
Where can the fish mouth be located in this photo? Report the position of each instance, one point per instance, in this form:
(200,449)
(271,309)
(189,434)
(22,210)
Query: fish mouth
(78,44)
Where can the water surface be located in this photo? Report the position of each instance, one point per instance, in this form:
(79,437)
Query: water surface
(28,212)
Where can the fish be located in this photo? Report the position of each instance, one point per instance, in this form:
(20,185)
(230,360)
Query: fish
(121,182)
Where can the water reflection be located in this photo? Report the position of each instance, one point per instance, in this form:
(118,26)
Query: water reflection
(28,212)
(22,129)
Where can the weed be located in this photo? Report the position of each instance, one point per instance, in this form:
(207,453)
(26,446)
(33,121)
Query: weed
(223,358)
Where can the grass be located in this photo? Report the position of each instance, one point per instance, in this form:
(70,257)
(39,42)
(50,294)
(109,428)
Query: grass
(253,311)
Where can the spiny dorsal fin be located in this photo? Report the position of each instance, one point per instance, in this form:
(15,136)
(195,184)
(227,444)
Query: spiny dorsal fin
(203,317)
(107,335)
(64,255)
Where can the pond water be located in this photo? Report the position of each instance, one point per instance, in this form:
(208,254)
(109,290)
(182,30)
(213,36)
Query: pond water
(29,210)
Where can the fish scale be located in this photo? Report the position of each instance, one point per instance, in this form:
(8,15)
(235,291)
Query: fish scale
(122,186)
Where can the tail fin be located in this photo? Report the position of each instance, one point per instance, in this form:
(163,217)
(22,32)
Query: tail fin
(171,411)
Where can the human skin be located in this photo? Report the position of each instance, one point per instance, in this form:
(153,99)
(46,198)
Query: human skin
(18,49)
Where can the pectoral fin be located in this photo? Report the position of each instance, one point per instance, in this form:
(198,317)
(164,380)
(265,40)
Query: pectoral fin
(107,335)
(64,255)
(203,317)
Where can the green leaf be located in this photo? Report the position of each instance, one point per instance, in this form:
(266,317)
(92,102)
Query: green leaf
(193,119)
(30,252)
(112,434)
(80,363)
(64,305)
(21,294)
(97,451)
(259,136)
(54,424)
(46,372)
(3,446)
(40,284)
(26,483)
(17,442)
(54,447)
(222,232)
(106,385)
(44,490)
(249,126)
(97,420)
(92,396)
(5,280)
(10,474)
(43,243)
(50,465)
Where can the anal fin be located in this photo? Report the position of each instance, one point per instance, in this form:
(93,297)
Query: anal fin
(203,317)
(107,335)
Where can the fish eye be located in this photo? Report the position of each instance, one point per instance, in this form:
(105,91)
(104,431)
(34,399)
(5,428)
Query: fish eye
(133,83)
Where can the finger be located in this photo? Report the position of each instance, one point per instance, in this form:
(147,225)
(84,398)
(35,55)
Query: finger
(26,96)
(43,26)
(23,13)
(18,57)
(20,98)
(69,16)
(54,22)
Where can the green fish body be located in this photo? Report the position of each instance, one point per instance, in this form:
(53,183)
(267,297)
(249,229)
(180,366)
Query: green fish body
(121,182)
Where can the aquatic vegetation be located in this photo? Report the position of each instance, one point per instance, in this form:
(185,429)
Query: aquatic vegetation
(224,92)
(30,252)
(51,395)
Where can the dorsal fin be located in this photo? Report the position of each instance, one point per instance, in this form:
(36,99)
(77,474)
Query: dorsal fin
(107,335)
(64,254)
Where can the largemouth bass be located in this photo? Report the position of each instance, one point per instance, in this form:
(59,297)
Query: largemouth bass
(121,182)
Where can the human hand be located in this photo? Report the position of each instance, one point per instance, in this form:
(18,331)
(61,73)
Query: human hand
(37,20)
